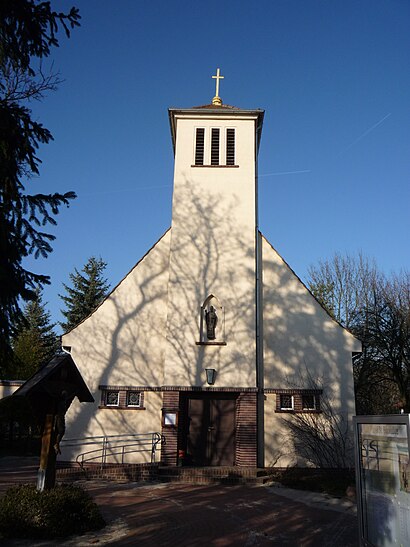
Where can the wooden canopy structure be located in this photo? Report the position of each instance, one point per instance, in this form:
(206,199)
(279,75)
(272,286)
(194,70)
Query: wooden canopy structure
(51,391)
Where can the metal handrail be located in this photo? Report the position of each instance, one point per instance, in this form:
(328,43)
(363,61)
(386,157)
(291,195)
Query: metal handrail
(114,445)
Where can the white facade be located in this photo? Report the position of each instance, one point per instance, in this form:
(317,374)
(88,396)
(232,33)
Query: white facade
(150,334)
(8,387)
(212,252)
(302,347)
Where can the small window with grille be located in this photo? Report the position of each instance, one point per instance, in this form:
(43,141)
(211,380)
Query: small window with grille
(302,400)
(122,398)
(230,147)
(286,401)
(199,146)
(134,398)
(308,402)
(112,398)
(215,146)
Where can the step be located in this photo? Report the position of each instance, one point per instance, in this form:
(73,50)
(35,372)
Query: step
(153,472)
(209,475)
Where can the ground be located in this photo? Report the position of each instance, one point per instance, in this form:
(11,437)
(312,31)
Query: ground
(195,516)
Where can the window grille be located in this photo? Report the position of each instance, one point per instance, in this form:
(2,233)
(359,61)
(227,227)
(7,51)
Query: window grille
(215,147)
(112,398)
(199,146)
(133,398)
(308,402)
(230,147)
(286,401)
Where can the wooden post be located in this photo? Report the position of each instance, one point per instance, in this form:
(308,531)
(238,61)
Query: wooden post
(46,476)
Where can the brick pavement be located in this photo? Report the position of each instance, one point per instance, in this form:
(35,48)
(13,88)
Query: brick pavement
(207,515)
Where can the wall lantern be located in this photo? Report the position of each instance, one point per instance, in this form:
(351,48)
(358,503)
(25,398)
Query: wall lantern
(210,376)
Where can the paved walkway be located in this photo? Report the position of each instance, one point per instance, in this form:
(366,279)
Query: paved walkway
(195,516)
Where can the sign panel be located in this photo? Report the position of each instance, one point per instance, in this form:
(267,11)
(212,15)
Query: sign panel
(383,479)
(170,418)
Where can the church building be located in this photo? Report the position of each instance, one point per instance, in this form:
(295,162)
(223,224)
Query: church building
(211,339)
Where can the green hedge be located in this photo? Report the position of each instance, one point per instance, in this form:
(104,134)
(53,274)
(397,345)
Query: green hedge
(59,512)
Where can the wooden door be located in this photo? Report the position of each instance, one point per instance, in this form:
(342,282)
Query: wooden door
(211,430)
(197,431)
(221,436)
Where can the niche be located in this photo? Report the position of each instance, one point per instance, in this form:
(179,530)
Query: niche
(212,322)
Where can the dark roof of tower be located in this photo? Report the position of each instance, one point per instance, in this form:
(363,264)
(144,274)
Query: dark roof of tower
(215,107)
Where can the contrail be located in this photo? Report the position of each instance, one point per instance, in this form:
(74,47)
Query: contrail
(124,190)
(364,134)
(285,173)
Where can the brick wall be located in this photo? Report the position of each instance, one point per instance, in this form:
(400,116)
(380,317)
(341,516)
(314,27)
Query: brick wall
(115,472)
(246,430)
(169,446)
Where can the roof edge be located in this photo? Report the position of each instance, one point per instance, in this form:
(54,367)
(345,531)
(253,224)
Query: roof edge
(307,288)
(120,282)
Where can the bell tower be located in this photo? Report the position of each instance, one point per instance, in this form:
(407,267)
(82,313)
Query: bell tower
(211,320)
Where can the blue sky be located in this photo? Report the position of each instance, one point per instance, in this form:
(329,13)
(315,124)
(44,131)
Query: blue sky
(334,163)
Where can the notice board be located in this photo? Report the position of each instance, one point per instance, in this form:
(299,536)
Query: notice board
(383,479)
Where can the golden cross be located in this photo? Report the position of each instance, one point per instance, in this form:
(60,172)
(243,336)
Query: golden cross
(217,78)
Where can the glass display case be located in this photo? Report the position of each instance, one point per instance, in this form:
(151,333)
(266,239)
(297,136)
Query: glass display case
(383,479)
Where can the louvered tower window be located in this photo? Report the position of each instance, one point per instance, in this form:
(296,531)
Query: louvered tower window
(215,147)
(199,146)
(230,147)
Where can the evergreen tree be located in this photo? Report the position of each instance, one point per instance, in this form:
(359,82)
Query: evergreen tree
(35,342)
(28,32)
(86,293)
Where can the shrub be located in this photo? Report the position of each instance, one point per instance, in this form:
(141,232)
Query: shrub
(59,512)
(334,482)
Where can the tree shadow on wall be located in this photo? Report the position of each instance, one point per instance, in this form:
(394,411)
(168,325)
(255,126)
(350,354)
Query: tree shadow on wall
(145,333)
(299,337)
(140,336)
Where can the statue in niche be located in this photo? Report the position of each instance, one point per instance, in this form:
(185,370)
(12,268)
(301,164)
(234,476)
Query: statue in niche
(211,320)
